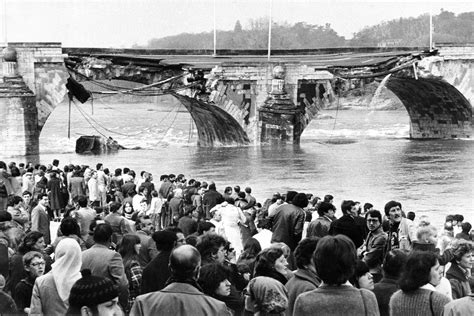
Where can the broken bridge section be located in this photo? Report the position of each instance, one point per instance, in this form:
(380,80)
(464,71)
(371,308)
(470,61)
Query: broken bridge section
(214,125)
(436,108)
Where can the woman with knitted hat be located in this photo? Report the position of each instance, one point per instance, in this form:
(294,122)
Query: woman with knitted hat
(51,291)
(93,295)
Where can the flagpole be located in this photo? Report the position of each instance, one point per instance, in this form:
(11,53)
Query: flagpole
(4,24)
(431,31)
(215,32)
(270,31)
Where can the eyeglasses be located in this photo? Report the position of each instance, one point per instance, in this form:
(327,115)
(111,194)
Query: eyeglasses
(370,220)
(36,264)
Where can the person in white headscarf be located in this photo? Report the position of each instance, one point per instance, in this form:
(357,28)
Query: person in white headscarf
(51,291)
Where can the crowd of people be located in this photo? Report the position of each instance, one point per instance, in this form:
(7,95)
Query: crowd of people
(127,245)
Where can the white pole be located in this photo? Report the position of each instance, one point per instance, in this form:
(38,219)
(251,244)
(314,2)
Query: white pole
(215,32)
(431,31)
(4,24)
(270,31)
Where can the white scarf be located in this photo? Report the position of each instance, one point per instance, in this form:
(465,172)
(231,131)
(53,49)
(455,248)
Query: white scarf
(67,266)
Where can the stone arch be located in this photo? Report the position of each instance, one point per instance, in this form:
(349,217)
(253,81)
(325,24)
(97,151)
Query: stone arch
(436,108)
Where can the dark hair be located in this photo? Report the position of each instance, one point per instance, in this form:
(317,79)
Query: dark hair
(211,276)
(103,233)
(335,259)
(417,270)
(361,269)
(82,200)
(368,206)
(241,194)
(374,213)
(458,217)
(126,249)
(391,204)
(251,249)
(449,218)
(248,190)
(29,241)
(164,240)
(69,226)
(191,240)
(346,206)
(227,189)
(115,206)
(212,186)
(41,196)
(290,195)
(466,227)
(394,263)
(304,251)
(204,227)
(13,200)
(411,215)
(325,207)
(328,198)
(265,262)
(300,200)
(209,245)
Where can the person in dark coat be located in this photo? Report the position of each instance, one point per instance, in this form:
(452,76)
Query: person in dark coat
(188,224)
(393,266)
(288,220)
(157,272)
(347,225)
(458,273)
(34,265)
(305,278)
(210,199)
(54,191)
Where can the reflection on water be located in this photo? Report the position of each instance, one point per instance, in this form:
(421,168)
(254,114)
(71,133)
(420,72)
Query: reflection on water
(361,155)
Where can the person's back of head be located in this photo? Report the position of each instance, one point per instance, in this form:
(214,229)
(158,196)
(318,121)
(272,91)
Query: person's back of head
(237,189)
(458,218)
(328,198)
(248,190)
(325,207)
(335,259)
(212,186)
(300,200)
(466,227)
(69,226)
(82,201)
(103,233)
(394,263)
(290,195)
(346,206)
(185,262)
(164,240)
(427,234)
(304,251)
(411,215)
(417,270)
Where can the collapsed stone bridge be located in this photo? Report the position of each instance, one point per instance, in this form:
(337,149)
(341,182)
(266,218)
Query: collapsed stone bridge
(240,99)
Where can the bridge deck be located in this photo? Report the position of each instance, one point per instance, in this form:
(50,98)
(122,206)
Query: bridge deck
(342,59)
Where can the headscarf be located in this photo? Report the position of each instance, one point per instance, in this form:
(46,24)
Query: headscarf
(67,266)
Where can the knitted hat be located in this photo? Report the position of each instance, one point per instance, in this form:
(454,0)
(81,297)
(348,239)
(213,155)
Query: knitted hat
(91,290)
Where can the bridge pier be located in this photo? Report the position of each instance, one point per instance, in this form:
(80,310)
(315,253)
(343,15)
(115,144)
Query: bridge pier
(32,84)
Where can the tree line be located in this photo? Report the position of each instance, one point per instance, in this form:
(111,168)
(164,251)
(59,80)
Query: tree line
(412,31)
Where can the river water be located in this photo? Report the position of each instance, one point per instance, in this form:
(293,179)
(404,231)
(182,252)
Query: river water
(363,155)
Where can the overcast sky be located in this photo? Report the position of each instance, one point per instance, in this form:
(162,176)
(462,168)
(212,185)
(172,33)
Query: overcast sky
(122,23)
